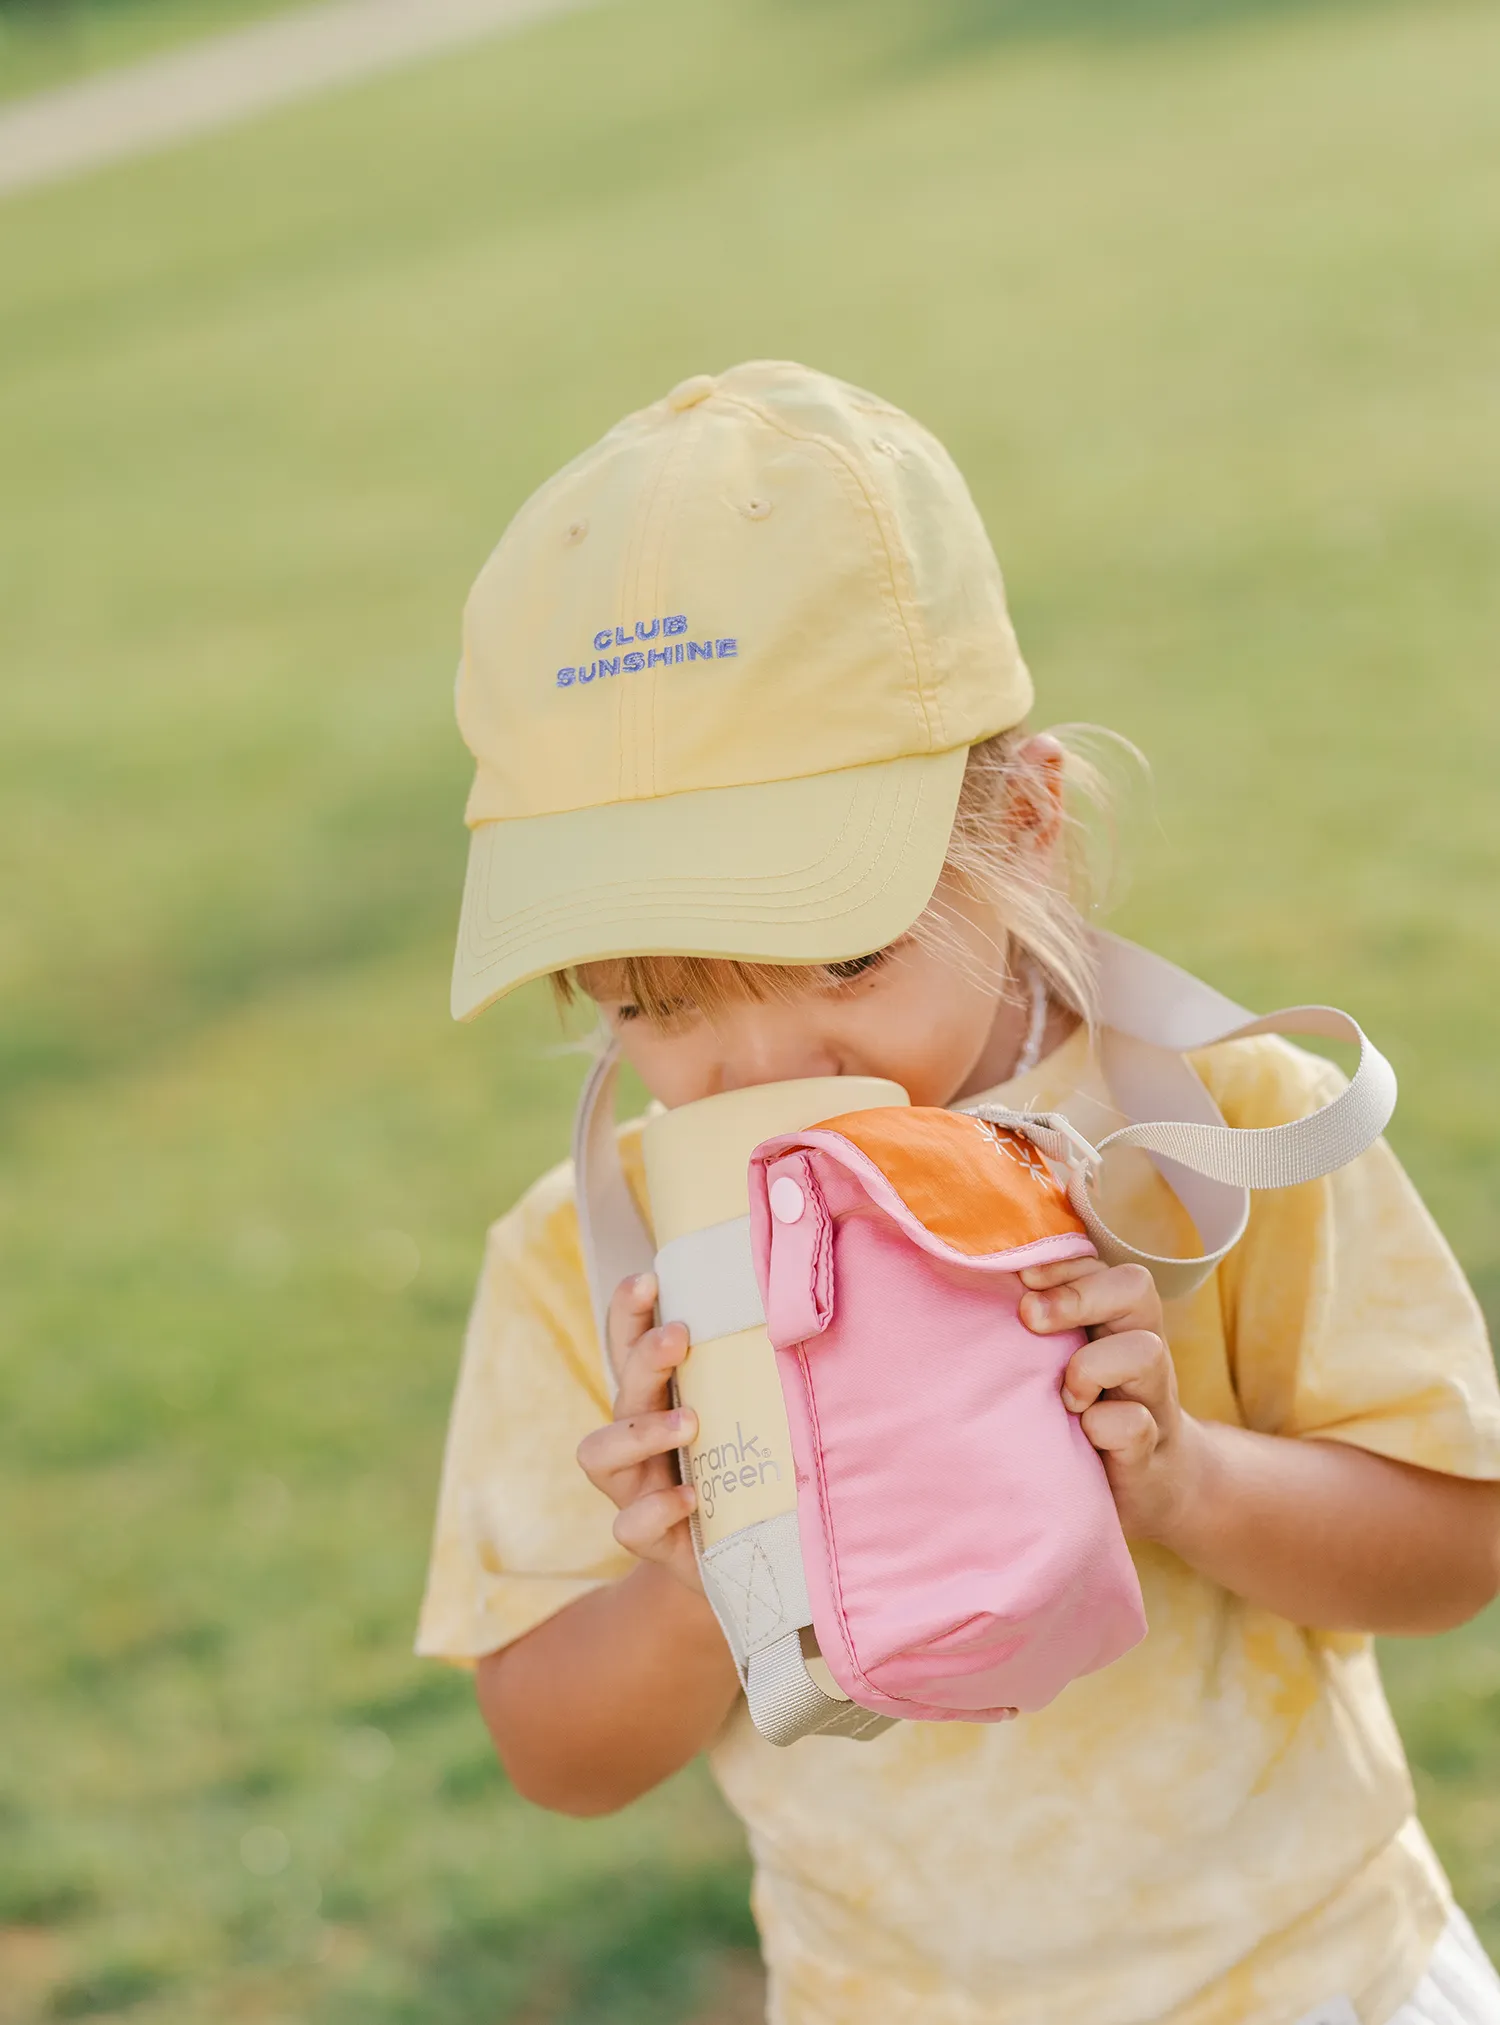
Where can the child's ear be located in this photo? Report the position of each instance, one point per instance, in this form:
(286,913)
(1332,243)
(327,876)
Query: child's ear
(1041,811)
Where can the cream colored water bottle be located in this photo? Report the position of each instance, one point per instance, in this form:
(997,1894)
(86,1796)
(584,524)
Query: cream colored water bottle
(740,1461)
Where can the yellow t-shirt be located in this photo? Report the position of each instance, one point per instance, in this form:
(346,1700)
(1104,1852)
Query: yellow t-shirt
(1217,1829)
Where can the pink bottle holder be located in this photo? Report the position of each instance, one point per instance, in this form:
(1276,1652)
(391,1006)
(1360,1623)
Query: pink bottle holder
(963,1556)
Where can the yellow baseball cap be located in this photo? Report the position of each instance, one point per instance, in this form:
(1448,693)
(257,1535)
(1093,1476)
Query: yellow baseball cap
(719,680)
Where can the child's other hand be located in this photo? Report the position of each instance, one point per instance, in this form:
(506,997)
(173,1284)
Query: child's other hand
(1121,1384)
(632,1458)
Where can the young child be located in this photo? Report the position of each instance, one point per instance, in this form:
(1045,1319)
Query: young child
(752,775)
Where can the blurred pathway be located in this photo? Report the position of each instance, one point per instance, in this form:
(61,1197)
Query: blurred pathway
(232,77)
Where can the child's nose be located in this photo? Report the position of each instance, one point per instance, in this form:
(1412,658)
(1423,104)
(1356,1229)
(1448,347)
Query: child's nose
(770,1057)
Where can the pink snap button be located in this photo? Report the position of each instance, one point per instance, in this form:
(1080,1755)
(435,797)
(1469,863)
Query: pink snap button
(786,1199)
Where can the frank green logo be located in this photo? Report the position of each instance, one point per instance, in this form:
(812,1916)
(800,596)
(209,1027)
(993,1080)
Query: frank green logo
(729,1466)
(649,643)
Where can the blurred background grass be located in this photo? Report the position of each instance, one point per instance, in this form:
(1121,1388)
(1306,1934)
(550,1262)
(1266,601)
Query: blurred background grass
(45,43)
(1204,300)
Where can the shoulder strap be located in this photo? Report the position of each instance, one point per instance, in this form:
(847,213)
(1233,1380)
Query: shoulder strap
(1152,1015)
(1152,1004)
(611,1230)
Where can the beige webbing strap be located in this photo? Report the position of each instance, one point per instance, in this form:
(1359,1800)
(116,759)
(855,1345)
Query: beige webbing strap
(611,1230)
(786,1703)
(1153,1014)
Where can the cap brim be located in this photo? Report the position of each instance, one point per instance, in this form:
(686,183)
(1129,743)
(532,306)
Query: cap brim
(794,871)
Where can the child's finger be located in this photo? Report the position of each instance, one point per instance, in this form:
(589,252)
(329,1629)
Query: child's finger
(1137,1364)
(626,1444)
(647,1369)
(643,1525)
(1122,1429)
(629,1317)
(1119,1298)
(1060,1272)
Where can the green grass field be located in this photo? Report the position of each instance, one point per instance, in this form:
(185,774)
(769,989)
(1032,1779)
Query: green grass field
(1205,306)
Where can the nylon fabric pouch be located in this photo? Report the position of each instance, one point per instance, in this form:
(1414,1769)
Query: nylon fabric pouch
(962,1553)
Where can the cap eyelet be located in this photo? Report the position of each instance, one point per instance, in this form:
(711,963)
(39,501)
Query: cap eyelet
(575,531)
(884,446)
(756,509)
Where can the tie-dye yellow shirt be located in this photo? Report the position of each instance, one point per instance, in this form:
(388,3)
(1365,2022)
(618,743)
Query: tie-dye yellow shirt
(1217,1829)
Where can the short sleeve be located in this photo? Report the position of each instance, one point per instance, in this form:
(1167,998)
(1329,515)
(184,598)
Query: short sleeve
(1346,1314)
(520,1531)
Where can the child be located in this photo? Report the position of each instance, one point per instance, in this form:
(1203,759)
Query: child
(747,711)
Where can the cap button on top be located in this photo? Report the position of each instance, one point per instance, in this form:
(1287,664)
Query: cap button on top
(688,393)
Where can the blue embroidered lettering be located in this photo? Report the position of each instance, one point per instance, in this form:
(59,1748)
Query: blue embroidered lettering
(721,648)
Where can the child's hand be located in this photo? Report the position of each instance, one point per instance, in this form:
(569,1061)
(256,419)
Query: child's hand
(1121,1384)
(631,1458)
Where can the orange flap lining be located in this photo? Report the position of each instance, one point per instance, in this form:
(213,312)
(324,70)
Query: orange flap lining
(979,1188)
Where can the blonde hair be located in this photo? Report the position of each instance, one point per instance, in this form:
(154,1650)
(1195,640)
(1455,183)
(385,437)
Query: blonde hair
(1016,848)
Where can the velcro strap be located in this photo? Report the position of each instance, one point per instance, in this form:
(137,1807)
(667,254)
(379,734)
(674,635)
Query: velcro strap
(756,1584)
